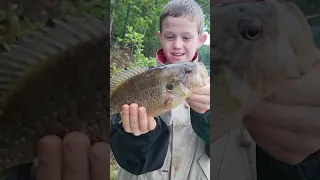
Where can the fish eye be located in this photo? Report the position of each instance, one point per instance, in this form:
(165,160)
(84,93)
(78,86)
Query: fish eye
(169,86)
(251,31)
(188,70)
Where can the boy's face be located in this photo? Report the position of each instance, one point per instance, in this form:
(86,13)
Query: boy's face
(180,39)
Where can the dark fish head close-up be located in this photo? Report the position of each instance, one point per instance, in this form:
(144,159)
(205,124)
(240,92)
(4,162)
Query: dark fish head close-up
(255,46)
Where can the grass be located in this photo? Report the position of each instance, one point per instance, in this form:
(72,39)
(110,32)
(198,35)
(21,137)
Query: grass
(114,167)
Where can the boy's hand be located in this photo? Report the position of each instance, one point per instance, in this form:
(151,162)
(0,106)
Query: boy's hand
(286,126)
(72,157)
(200,99)
(136,121)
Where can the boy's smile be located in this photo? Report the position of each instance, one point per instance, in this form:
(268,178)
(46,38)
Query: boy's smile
(180,39)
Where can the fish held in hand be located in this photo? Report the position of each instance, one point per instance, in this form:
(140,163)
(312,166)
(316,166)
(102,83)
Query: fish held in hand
(256,45)
(52,82)
(158,89)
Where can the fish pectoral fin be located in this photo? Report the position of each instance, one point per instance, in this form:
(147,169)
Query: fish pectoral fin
(172,101)
(182,91)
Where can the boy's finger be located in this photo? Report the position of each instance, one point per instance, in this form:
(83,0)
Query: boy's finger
(49,158)
(199,107)
(143,120)
(205,90)
(75,156)
(133,119)
(99,161)
(125,118)
(151,123)
(203,99)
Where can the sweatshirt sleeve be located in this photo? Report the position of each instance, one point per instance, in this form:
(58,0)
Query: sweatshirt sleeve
(201,126)
(20,172)
(139,154)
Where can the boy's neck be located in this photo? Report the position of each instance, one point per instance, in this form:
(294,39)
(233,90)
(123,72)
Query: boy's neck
(161,59)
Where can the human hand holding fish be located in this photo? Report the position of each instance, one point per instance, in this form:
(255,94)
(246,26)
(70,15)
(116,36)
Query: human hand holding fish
(135,120)
(199,101)
(287,125)
(72,157)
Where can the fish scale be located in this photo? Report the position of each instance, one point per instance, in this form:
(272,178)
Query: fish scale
(54,81)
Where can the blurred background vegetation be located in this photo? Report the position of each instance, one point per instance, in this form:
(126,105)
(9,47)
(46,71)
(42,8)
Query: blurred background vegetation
(134,26)
(311,9)
(18,17)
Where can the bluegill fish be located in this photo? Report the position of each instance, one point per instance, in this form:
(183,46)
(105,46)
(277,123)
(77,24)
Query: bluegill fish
(52,82)
(256,45)
(158,89)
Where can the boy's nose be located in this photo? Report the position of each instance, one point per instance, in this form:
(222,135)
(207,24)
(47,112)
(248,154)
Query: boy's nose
(177,44)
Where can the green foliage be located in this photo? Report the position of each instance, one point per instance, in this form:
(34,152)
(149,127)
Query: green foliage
(113,172)
(136,41)
(96,8)
(132,37)
(143,16)
(135,25)
(114,167)
(310,8)
(19,27)
(114,69)
(204,55)
(16,26)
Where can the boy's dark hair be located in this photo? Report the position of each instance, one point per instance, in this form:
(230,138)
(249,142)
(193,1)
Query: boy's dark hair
(184,8)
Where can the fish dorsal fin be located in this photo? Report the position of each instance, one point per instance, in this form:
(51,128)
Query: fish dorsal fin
(125,75)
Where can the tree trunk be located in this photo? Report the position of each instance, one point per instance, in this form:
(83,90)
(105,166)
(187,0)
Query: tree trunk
(126,21)
(114,4)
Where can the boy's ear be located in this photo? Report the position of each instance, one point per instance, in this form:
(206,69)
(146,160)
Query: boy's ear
(202,40)
(159,36)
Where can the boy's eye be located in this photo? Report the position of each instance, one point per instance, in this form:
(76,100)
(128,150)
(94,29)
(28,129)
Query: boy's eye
(186,38)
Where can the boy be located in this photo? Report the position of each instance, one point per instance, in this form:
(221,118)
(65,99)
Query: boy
(176,144)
